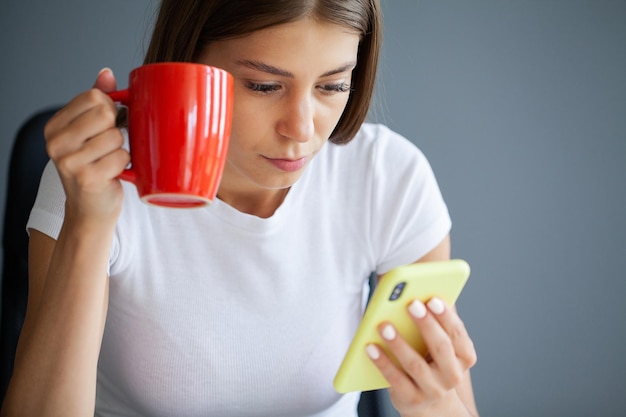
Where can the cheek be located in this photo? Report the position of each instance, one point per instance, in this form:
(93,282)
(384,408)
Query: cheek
(248,119)
(331,114)
(249,112)
(252,127)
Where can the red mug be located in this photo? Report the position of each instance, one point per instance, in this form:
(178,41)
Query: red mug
(179,121)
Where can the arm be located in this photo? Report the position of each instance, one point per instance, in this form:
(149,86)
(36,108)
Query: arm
(57,354)
(55,366)
(440,384)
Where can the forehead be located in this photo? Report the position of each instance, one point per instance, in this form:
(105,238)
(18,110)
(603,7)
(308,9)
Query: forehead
(293,45)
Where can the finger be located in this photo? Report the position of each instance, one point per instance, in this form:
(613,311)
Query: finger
(79,105)
(93,150)
(412,362)
(64,137)
(95,190)
(399,381)
(96,178)
(105,81)
(456,330)
(111,165)
(440,348)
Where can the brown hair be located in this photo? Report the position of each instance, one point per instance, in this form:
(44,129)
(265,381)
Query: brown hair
(184,27)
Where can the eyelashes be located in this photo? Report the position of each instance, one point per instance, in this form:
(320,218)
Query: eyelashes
(262,88)
(328,89)
(337,88)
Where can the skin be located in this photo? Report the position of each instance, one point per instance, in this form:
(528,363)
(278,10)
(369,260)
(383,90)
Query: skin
(290,91)
(441,384)
(57,354)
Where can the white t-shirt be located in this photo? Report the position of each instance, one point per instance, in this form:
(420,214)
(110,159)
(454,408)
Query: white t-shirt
(213,312)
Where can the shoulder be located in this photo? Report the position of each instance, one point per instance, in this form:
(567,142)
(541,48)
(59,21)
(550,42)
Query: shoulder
(377,163)
(378,150)
(380,143)
(376,132)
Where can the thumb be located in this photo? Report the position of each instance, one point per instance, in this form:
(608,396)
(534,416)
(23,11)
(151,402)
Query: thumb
(105,81)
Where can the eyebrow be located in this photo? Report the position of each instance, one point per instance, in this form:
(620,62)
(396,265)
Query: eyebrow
(270,69)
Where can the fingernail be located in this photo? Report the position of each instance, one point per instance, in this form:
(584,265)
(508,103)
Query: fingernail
(372,351)
(417,309)
(389,333)
(436,305)
(104,70)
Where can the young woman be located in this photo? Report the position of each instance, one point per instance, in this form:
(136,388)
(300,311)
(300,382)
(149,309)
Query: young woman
(246,307)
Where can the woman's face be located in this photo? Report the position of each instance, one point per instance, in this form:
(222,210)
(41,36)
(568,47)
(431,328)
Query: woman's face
(292,84)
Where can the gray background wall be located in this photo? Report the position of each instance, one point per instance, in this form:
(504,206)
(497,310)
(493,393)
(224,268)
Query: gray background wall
(521,108)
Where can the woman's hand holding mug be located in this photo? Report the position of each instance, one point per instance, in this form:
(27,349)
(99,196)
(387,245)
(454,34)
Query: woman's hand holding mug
(86,148)
(179,121)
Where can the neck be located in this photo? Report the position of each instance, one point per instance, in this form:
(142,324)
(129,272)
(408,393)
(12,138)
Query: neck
(261,204)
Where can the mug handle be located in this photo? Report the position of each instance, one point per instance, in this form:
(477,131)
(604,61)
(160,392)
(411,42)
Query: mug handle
(121,97)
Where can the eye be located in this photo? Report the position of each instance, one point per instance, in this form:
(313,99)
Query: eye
(262,88)
(335,88)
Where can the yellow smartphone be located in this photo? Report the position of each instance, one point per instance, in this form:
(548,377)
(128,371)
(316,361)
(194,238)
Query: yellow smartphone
(389,302)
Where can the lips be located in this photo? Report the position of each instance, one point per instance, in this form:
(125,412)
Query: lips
(288,165)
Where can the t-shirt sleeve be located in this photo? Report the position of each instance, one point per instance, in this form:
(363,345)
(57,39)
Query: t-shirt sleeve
(409,215)
(48,211)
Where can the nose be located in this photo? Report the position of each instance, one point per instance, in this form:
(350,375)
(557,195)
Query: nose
(297,119)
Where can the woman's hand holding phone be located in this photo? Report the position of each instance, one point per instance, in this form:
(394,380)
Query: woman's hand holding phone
(412,341)
(420,385)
